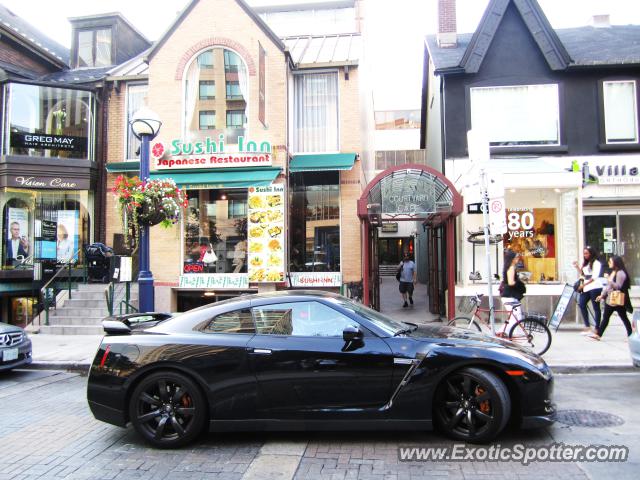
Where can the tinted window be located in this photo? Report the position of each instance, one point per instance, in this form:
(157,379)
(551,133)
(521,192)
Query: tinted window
(305,319)
(238,321)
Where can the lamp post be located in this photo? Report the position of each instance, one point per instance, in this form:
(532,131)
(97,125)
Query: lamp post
(145,125)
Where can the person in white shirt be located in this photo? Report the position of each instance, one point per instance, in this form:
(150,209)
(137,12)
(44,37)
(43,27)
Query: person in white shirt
(591,287)
(407,279)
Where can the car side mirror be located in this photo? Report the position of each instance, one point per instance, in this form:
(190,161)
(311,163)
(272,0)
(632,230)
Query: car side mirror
(351,333)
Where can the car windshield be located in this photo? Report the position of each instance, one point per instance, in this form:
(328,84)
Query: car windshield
(387,324)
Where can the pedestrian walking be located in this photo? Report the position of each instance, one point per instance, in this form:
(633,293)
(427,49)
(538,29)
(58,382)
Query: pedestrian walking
(407,278)
(589,288)
(512,289)
(616,296)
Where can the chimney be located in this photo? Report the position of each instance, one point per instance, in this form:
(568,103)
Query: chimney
(601,21)
(447,37)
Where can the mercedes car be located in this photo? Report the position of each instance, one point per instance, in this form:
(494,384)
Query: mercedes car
(301,360)
(15,347)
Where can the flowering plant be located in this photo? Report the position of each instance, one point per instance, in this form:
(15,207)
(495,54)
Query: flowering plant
(148,202)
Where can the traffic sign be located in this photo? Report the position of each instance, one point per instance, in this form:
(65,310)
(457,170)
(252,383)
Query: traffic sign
(497,216)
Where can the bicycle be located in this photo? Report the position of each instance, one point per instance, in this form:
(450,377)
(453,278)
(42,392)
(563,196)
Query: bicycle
(531,331)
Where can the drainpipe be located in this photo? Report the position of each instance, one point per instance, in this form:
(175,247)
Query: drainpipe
(365,261)
(451,270)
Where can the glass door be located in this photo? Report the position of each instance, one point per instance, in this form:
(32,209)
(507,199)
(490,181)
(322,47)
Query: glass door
(601,233)
(629,245)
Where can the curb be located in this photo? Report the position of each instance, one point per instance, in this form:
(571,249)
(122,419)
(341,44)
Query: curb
(568,369)
(69,366)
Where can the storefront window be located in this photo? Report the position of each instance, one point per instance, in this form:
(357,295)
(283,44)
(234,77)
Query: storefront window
(531,233)
(216,66)
(44,225)
(136,99)
(49,122)
(315,222)
(216,232)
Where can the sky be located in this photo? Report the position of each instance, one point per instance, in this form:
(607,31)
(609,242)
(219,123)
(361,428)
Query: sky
(402,25)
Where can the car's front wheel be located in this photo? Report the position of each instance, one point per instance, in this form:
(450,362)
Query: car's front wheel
(472,405)
(167,409)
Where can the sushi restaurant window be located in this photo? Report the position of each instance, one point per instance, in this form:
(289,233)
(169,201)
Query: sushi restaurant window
(531,233)
(315,222)
(215,239)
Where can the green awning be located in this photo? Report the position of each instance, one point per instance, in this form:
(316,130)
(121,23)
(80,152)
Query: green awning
(120,167)
(230,178)
(7,287)
(322,161)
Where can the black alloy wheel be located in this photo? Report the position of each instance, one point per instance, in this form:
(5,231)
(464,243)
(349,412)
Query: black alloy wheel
(167,409)
(472,405)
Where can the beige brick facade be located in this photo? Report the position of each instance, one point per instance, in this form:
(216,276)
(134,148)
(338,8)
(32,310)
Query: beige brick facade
(223,23)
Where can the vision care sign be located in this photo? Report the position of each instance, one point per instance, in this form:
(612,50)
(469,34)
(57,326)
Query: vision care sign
(209,153)
(42,182)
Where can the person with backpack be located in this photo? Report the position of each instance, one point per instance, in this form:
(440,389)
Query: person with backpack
(406,275)
(618,281)
(589,288)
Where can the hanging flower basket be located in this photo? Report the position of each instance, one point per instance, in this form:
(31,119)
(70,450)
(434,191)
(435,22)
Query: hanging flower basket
(147,203)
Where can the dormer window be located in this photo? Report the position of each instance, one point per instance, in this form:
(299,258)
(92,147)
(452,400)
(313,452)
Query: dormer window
(94,48)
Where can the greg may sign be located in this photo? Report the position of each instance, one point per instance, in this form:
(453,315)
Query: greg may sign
(210,153)
(48,142)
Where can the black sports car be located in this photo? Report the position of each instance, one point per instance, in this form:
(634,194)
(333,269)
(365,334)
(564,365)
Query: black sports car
(305,360)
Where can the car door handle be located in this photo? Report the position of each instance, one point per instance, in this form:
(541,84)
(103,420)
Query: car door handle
(261,351)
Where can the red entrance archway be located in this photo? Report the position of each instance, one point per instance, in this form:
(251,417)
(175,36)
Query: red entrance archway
(409,192)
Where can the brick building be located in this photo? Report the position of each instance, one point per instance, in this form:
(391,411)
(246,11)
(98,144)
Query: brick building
(276,204)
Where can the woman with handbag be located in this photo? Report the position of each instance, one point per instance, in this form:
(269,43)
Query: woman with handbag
(512,289)
(616,296)
(589,287)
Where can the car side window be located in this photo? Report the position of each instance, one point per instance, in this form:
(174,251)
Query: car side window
(304,319)
(238,321)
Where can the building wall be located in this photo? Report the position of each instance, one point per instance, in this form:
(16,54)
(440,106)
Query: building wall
(214,23)
(514,58)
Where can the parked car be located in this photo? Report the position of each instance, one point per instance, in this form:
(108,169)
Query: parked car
(634,340)
(15,347)
(306,360)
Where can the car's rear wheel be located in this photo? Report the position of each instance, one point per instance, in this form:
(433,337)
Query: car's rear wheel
(472,405)
(167,409)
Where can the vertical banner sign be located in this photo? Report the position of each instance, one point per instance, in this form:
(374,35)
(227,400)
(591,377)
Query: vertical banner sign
(67,235)
(18,245)
(261,85)
(265,230)
(46,241)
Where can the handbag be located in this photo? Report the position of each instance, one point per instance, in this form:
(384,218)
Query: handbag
(616,298)
(209,256)
(578,283)
(398,273)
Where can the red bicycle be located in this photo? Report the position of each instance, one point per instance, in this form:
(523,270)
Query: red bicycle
(531,331)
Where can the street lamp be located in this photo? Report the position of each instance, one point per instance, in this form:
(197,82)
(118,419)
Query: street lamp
(145,125)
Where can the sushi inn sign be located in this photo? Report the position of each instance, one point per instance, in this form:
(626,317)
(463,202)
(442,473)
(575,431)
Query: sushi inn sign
(210,153)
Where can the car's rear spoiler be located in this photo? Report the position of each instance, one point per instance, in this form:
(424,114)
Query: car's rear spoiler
(124,324)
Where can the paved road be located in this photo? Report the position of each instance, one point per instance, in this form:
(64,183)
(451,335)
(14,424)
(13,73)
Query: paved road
(47,432)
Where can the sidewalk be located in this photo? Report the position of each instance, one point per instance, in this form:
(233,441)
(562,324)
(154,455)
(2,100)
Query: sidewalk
(569,352)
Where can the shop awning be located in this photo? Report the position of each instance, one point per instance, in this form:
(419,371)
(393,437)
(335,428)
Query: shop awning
(322,162)
(230,178)
(121,167)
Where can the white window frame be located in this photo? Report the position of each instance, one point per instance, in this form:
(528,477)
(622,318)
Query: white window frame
(522,145)
(127,127)
(293,111)
(635,111)
(194,58)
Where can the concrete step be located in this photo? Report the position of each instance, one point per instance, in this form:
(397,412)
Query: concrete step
(87,295)
(72,330)
(75,302)
(92,287)
(79,321)
(80,312)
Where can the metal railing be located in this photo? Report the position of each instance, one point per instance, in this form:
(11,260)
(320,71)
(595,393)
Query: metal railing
(49,292)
